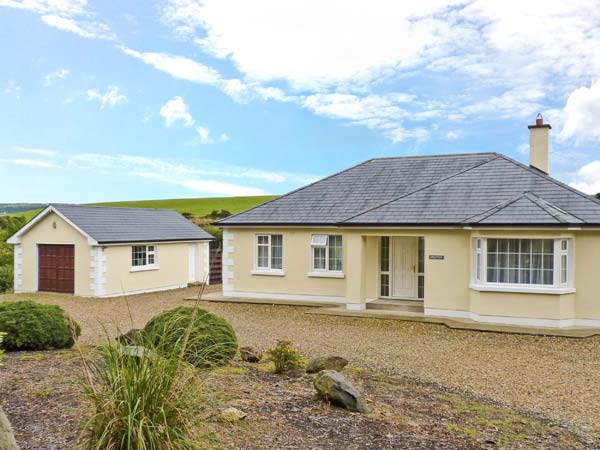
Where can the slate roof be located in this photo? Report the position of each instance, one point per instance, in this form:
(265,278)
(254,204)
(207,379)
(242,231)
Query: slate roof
(110,225)
(465,189)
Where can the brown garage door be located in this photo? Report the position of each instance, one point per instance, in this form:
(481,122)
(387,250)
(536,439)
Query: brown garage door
(56,268)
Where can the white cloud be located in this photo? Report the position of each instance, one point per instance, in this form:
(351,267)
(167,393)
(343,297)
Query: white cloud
(516,58)
(376,112)
(204,176)
(37,151)
(453,134)
(588,178)
(177,66)
(224,137)
(174,110)
(330,50)
(33,163)
(582,114)
(13,90)
(112,97)
(54,76)
(83,29)
(204,134)
(67,15)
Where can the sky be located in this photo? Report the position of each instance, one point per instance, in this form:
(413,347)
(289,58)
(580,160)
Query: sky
(107,101)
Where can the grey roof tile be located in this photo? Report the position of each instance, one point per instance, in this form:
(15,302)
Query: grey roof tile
(485,188)
(124,225)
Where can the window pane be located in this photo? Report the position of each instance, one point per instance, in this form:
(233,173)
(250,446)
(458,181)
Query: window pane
(138,255)
(385,285)
(421,255)
(263,256)
(319,258)
(421,287)
(335,253)
(151,258)
(263,239)
(276,251)
(384,254)
(319,240)
(521,261)
(563,269)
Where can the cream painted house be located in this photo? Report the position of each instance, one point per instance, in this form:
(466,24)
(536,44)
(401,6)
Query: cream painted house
(477,236)
(94,251)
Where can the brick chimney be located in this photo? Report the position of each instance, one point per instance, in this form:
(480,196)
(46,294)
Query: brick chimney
(539,145)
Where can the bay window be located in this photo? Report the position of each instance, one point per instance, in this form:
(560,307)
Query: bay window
(326,253)
(269,253)
(522,264)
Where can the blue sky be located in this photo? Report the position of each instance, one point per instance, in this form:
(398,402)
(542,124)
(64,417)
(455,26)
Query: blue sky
(130,100)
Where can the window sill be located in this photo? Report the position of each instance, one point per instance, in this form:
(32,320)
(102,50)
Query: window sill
(523,289)
(143,268)
(325,274)
(273,273)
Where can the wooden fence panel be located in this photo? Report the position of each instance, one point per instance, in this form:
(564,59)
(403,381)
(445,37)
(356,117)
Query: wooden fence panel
(216,259)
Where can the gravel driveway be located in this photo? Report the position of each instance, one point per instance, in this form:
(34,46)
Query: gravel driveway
(556,377)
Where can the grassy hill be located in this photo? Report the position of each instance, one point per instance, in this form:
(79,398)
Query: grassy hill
(195,206)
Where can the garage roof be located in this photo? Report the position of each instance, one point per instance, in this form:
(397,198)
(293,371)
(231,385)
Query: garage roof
(112,225)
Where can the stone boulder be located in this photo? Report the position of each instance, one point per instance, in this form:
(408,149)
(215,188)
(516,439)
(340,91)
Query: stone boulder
(336,388)
(7,438)
(233,414)
(133,336)
(336,363)
(249,354)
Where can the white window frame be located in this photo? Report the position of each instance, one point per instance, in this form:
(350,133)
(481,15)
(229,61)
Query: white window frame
(147,266)
(479,271)
(267,270)
(322,241)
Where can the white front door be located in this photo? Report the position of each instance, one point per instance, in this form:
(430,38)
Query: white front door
(404,267)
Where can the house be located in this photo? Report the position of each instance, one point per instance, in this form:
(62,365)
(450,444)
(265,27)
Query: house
(476,236)
(94,251)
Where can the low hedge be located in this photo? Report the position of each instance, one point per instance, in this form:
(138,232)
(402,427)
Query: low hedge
(212,340)
(34,326)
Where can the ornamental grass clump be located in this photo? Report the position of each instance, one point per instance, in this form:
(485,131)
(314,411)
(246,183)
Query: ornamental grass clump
(35,326)
(142,399)
(209,341)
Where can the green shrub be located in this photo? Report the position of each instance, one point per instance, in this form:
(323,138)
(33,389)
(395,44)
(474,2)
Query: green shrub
(211,341)
(34,326)
(6,278)
(142,399)
(285,358)
(1,339)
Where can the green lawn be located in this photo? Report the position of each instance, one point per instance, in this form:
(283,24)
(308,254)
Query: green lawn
(196,206)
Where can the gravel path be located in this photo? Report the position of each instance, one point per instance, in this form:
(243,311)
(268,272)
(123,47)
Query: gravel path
(556,377)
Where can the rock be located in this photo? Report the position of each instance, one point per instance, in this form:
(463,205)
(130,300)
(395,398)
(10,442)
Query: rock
(233,414)
(249,354)
(7,438)
(326,363)
(133,336)
(135,351)
(334,387)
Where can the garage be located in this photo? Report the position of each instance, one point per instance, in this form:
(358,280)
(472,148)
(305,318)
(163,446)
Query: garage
(56,268)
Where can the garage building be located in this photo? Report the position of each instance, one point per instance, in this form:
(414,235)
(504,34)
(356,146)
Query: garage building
(96,251)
